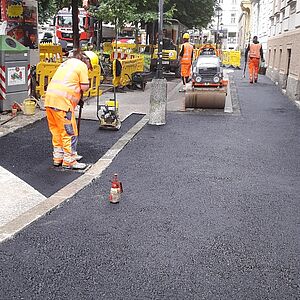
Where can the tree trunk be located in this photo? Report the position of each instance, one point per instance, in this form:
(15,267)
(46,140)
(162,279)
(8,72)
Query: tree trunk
(75,22)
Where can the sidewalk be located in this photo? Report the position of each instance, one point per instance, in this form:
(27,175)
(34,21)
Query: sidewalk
(210,210)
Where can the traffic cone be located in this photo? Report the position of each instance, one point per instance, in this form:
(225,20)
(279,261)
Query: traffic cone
(115,190)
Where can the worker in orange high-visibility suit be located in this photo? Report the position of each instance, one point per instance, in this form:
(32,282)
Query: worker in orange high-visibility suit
(186,58)
(62,96)
(253,54)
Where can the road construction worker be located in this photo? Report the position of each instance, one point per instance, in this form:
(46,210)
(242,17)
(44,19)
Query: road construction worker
(185,59)
(253,54)
(62,96)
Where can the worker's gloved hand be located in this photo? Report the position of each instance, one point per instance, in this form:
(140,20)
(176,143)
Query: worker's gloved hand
(81,103)
(263,60)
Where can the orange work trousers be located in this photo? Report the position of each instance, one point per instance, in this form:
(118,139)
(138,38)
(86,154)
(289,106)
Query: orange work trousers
(186,70)
(63,128)
(253,68)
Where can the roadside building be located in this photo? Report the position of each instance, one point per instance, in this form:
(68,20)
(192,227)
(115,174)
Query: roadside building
(244,25)
(225,23)
(283,57)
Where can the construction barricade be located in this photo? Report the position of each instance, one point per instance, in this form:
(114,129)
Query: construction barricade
(51,53)
(46,70)
(231,58)
(124,69)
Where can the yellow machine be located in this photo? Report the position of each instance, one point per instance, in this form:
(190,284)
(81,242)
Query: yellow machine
(170,61)
(108,113)
(209,89)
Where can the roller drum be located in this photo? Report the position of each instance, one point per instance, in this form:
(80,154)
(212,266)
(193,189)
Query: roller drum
(205,99)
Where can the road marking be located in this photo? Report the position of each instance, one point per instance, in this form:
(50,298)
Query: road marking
(45,205)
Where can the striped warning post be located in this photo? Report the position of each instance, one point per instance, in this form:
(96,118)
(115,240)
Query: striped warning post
(29,80)
(2,83)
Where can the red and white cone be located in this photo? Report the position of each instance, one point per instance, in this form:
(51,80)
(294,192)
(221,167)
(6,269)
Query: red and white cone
(115,190)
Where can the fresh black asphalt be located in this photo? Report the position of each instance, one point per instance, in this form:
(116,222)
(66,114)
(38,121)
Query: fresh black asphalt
(27,153)
(210,210)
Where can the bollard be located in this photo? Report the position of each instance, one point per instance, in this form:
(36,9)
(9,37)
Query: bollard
(158,102)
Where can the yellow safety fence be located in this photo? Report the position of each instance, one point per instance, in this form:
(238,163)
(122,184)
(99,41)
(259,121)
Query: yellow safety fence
(46,70)
(231,58)
(51,53)
(130,66)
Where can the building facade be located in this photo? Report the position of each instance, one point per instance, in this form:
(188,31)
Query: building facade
(283,57)
(225,24)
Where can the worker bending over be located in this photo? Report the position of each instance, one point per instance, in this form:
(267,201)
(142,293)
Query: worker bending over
(63,94)
(254,52)
(185,59)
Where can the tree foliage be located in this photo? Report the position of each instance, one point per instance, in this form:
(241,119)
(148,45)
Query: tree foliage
(48,8)
(193,13)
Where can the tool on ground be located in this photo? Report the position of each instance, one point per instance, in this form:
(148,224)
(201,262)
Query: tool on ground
(80,103)
(108,114)
(209,89)
(115,190)
(245,66)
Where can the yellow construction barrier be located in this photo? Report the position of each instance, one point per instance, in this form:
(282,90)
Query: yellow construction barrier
(45,72)
(226,57)
(134,64)
(231,58)
(51,53)
(235,59)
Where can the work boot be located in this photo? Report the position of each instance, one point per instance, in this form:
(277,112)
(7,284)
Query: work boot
(183,89)
(255,80)
(251,81)
(77,156)
(57,163)
(75,166)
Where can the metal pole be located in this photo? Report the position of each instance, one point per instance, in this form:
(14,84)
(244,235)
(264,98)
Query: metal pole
(160,39)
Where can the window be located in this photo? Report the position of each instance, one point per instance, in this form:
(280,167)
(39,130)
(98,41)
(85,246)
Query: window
(231,37)
(233,2)
(292,8)
(280,57)
(232,18)
(274,59)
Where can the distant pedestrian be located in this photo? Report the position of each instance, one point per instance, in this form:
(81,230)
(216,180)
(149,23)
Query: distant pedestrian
(63,95)
(185,59)
(253,54)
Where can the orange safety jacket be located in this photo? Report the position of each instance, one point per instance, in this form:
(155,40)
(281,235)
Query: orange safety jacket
(254,51)
(64,90)
(187,54)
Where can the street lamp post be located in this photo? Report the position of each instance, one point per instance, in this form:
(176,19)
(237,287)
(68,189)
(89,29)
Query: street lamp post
(158,95)
(160,38)
(219,14)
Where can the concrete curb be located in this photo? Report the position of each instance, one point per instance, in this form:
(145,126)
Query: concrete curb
(8,230)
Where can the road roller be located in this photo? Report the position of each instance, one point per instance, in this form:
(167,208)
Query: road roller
(209,89)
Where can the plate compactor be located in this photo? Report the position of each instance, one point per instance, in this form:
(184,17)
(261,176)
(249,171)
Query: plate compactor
(108,113)
(208,89)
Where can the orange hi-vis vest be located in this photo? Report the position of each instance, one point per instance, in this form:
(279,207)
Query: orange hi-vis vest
(64,90)
(254,51)
(187,54)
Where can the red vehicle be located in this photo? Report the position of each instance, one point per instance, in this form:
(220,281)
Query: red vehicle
(63,25)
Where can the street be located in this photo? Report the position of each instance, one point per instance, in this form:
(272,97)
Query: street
(210,210)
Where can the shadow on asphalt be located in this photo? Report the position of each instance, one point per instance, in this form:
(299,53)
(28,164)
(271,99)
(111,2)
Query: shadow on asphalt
(27,152)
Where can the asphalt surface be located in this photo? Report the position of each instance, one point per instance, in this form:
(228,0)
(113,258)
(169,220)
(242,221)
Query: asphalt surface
(27,152)
(210,210)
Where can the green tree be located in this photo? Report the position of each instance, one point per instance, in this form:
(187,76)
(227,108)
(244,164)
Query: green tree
(192,13)
(48,8)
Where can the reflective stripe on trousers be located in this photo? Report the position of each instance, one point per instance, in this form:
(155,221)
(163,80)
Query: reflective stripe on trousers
(63,128)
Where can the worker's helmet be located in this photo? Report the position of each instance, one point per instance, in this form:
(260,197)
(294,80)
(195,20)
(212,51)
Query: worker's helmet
(93,57)
(186,36)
